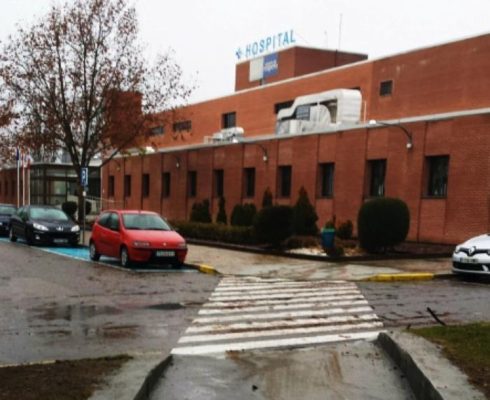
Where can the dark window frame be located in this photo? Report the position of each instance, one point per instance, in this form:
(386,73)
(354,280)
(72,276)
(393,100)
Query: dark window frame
(166,185)
(377,177)
(437,174)
(386,87)
(218,183)
(249,175)
(228,120)
(180,126)
(284,181)
(326,179)
(192,184)
(127,185)
(111,186)
(145,185)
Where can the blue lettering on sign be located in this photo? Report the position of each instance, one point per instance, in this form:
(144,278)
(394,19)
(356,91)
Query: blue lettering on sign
(267,44)
(271,66)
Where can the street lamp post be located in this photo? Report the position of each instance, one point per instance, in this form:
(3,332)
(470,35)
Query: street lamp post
(407,133)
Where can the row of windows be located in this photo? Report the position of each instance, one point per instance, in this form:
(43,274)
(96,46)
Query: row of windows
(437,173)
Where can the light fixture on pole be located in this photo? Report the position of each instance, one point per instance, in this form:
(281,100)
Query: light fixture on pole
(407,133)
(177,161)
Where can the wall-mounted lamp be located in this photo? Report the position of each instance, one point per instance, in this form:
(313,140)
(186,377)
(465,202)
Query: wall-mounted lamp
(265,156)
(177,161)
(408,134)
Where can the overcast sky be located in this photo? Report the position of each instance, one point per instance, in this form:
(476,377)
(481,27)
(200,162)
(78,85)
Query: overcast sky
(205,34)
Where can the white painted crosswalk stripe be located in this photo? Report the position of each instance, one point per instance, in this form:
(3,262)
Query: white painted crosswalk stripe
(256,313)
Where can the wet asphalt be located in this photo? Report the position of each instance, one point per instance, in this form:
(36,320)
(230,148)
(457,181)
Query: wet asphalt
(54,307)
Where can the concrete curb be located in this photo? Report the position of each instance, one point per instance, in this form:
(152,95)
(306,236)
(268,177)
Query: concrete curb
(430,375)
(421,386)
(151,379)
(416,276)
(204,268)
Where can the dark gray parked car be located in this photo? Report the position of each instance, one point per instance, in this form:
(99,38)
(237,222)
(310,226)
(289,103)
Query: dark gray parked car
(43,225)
(6,211)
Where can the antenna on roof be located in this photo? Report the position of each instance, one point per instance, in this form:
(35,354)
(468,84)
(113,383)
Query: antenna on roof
(340,31)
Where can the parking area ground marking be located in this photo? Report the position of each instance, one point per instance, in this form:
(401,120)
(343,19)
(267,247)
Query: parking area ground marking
(258,313)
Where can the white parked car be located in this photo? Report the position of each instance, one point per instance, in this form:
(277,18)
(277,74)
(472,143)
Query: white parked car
(473,256)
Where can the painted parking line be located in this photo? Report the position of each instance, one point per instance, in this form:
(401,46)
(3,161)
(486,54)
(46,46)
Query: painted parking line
(82,253)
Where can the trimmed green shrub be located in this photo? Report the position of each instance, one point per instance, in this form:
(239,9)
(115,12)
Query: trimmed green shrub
(273,224)
(382,223)
(304,216)
(345,229)
(243,215)
(200,212)
(216,232)
(267,199)
(221,218)
(70,208)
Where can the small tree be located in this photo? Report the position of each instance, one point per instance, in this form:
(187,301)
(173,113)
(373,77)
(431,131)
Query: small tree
(382,223)
(221,217)
(304,215)
(200,212)
(267,199)
(273,224)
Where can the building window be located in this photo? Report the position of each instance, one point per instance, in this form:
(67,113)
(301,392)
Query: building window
(218,183)
(284,181)
(325,179)
(249,182)
(285,104)
(157,130)
(111,186)
(182,126)
(192,183)
(166,184)
(13,187)
(438,167)
(127,185)
(377,172)
(228,120)
(6,188)
(385,88)
(145,185)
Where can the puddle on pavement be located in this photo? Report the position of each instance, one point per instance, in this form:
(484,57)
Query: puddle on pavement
(74,312)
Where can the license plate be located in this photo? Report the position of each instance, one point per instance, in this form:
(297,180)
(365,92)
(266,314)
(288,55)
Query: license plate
(165,253)
(60,240)
(468,260)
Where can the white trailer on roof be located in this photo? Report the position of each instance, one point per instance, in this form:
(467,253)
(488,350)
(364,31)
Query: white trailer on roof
(320,111)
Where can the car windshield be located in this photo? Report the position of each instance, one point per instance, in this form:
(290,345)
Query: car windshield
(7,210)
(145,222)
(52,214)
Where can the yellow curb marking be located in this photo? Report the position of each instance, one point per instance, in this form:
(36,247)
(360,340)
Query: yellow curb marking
(400,277)
(207,269)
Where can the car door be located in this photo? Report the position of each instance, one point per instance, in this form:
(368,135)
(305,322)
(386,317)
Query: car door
(17,222)
(113,235)
(100,233)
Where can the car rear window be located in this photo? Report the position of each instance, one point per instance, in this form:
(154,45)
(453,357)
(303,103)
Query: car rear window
(48,214)
(145,222)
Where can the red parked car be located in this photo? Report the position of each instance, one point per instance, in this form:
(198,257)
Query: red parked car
(136,236)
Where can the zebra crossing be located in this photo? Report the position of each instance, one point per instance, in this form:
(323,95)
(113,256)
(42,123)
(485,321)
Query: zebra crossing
(246,313)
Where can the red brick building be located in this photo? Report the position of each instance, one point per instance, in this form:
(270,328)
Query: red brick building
(439,96)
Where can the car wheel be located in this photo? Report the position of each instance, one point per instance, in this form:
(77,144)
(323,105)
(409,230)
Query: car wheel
(94,256)
(125,260)
(29,238)
(12,237)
